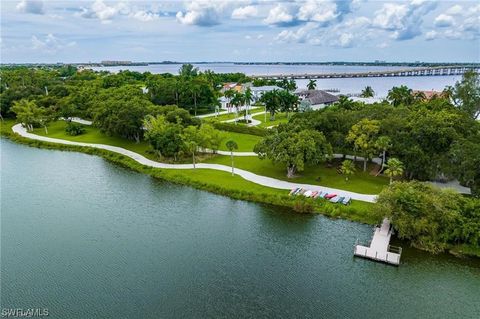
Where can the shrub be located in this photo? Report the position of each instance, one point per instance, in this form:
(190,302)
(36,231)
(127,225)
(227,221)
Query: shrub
(74,129)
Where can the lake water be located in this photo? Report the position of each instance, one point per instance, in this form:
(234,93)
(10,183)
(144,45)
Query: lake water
(87,239)
(353,85)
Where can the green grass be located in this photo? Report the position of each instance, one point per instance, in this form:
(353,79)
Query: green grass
(95,136)
(219,118)
(279,118)
(245,142)
(361,182)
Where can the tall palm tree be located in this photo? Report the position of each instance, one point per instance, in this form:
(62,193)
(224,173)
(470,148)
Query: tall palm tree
(394,168)
(271,100)
(229,94)
(312,85)
(367,92)
(383,143)
(231,146)
(248,98)
(237,101)
(348,168)
(400,95)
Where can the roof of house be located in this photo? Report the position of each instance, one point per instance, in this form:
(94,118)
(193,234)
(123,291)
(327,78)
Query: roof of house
(429,94)
(265,88)
(317,96)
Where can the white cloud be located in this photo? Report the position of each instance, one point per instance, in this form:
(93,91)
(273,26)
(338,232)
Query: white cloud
(457,23)
(444,20)
(403,21)
(431,35)
(50,43)
(244,12)
(144,16)
(456,9)
(280,15)
(322,12)
(345,40)
(104,12)
(30,6)
(202,12)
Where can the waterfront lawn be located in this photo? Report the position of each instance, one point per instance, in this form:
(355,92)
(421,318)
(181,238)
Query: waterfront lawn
(95,136)
(279,118)
(232,186)
(245,142)
(361,182)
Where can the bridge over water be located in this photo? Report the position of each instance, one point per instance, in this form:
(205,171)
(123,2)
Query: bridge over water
(428,71)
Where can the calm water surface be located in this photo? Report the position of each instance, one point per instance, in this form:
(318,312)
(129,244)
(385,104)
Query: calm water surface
(379,85)
(87,239)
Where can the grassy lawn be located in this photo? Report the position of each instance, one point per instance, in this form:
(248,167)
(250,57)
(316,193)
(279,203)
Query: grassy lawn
(93,135)
(245,142)
(279,118)
(220,118)
(318,175)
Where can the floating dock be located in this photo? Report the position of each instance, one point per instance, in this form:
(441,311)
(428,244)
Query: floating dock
(379,248)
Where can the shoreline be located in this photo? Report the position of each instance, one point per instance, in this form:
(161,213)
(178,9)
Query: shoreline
(298,205)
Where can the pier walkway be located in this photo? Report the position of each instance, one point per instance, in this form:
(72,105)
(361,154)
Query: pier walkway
(379,248)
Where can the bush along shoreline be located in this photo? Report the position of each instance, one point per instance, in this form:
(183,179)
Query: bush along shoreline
(357,212)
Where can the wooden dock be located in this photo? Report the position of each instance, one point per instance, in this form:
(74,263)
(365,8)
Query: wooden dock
(379,248)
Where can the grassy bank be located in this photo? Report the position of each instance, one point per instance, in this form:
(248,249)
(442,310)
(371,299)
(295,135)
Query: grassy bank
(217,182)
(361,182)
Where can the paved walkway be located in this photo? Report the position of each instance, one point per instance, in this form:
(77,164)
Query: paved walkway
(249,176)
(376,160)
(222,112)
(253,123)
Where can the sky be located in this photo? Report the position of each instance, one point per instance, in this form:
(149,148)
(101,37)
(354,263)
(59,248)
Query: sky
(241,31)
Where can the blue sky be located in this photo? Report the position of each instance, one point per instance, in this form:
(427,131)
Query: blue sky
(246,30)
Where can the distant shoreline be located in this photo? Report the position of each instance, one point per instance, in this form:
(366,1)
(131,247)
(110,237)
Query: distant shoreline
(332,63)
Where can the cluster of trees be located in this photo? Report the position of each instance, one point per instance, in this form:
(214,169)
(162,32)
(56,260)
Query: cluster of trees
(431,139)
(431,218)
(279,101)
(239,99)
(173,133)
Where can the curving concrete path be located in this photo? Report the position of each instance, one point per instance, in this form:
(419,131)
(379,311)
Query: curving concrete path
(254,122)
(249,176)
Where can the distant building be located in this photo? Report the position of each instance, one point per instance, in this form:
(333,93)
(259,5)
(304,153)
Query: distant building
(232,86)
(257,91)
(317,98)
(428,95)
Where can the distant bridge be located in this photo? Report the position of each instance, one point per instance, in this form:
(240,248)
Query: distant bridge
(429,71)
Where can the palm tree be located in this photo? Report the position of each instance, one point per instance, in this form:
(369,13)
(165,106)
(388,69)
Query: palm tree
(312,85)
(348,168)
(383,143)
(195,90)
(248,98)
(271,100)
(400,95)
(394,168)
(237,100)
(367,92)
(229,94)
(232,145)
